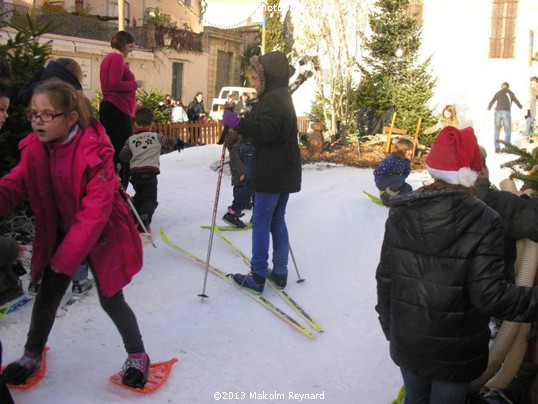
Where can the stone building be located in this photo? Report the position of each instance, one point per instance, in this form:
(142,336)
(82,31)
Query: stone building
(179,62)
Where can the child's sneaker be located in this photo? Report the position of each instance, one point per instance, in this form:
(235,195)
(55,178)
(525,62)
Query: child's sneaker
(136,370)
(17,373)
(81,287)
(33,288)
(251,282)
(279,280)
(232,218)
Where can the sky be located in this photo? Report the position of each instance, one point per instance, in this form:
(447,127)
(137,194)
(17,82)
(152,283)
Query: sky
(228,344)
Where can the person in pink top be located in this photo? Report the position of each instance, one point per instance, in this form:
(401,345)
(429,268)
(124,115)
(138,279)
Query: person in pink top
(118,106)
(67,173)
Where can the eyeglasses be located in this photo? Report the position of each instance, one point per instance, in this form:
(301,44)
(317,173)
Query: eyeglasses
(44,117)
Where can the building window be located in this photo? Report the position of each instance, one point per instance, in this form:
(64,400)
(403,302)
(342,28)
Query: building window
(113,10)
(503,28)
(177,81)
(415,10)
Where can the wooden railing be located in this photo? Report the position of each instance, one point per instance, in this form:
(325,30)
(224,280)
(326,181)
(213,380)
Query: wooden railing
(303,124)
(206,133)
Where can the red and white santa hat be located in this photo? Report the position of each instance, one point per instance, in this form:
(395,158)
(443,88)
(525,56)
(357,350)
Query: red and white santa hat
(455,157)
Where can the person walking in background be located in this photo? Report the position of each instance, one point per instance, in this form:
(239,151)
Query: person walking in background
(66,170)
(391,173)
(118,106)
(533,96)
(272,125)
(448,118)
(441,277)
(142,151)
(503,99)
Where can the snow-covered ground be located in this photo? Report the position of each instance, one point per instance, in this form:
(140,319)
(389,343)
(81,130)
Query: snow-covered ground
(229,346)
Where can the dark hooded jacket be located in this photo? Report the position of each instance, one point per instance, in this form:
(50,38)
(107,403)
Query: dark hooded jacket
(53,70)
(440,279)
(273,127)
(519,217)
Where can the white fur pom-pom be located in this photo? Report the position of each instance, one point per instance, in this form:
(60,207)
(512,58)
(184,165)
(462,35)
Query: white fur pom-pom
(467,177)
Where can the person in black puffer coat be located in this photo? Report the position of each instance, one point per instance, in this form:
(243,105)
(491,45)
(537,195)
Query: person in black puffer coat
(441,276)
(272,125)
(519,215)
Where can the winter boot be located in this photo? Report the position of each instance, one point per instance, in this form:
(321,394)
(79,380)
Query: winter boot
(136,370)
(251,282)
(279,280)
(33,288)
(17,373)
(232,218)
(80,288)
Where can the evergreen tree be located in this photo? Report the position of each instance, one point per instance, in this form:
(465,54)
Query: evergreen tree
(25,54)
(525,167)
(274,32)
(392,76)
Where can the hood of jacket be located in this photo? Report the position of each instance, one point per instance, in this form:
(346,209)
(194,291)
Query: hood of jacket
(273,70)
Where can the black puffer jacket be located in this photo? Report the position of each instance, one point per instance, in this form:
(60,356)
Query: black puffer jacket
(439,280)
(519,217)
(272,125)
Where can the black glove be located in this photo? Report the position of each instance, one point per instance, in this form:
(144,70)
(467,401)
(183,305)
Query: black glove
(180,145)
(528,114)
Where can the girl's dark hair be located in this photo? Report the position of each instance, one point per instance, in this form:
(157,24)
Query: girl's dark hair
(197,94)
(120,39)
(4,91)
(401,147)
(5,72)
(65,98)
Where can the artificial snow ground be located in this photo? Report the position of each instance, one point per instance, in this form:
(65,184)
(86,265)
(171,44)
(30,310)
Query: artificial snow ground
(229,345)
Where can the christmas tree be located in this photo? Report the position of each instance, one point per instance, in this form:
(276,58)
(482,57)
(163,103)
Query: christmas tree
(524,167)
(392,76)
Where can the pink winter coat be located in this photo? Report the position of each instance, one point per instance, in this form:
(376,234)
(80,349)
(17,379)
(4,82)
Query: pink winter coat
(103,227)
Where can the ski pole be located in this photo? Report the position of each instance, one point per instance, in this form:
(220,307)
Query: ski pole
(212,232)
(138,218)
(295,265)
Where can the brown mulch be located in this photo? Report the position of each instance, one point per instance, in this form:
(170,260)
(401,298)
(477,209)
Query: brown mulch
(348,155)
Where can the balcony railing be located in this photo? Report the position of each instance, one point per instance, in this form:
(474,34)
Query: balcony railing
(100,28)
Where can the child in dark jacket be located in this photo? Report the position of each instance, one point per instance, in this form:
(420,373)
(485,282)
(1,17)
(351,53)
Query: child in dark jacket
(142,151)
(241,153)
(391,173)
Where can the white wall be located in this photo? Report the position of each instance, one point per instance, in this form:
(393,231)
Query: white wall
(456,33)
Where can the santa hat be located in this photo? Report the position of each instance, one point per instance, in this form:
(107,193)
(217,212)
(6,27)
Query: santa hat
(455,157)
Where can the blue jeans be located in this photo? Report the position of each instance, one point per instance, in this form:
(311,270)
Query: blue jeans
(268,219)
(81,273)
(504,117)
(424,390)
(396,183)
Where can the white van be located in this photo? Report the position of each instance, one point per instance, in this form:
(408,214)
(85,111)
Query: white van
(217,106)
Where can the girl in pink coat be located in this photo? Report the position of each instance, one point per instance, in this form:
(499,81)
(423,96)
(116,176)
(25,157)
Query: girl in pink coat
(67,173)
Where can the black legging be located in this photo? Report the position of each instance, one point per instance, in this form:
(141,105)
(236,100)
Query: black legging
(118,126)
(53,287)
